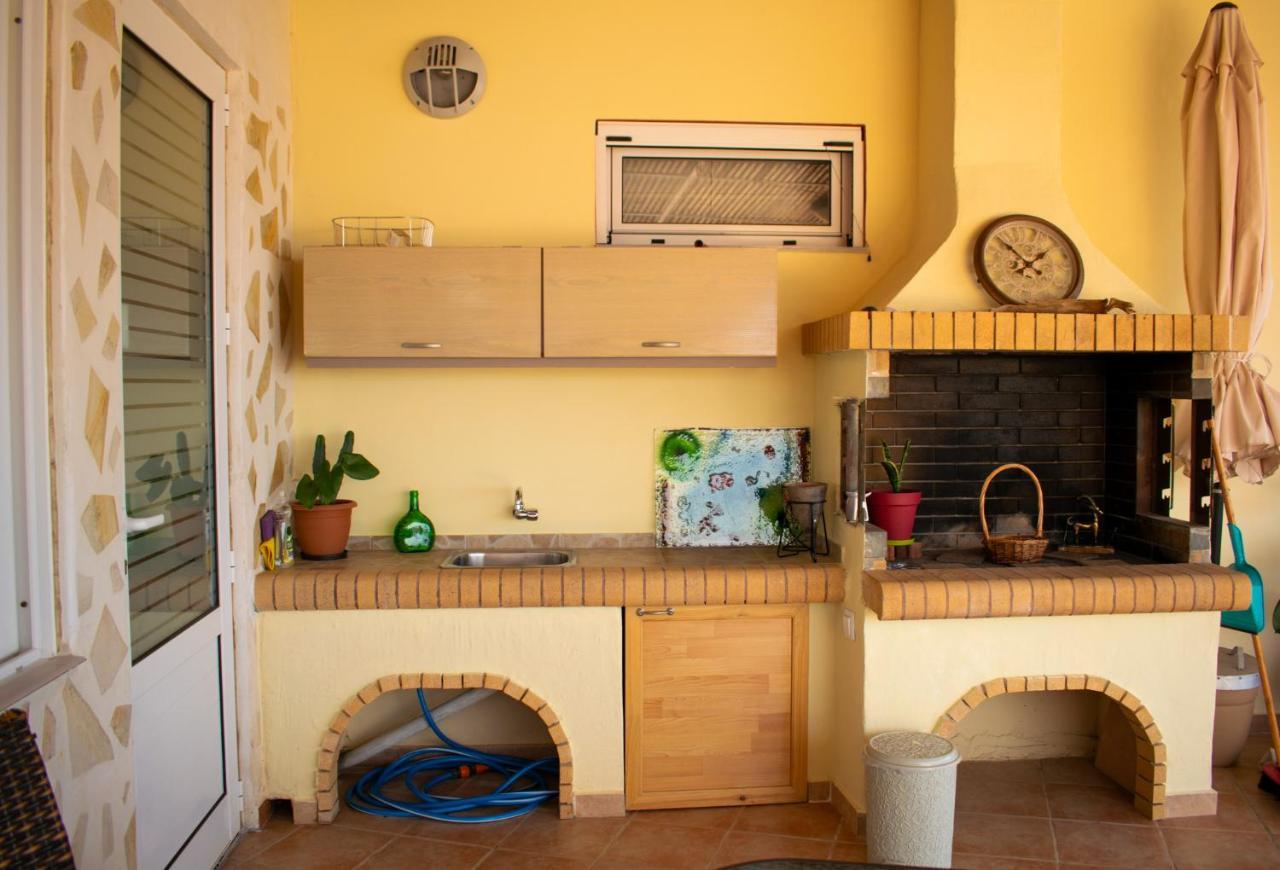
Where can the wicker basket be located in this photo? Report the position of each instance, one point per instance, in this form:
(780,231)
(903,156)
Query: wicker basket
(1013,549)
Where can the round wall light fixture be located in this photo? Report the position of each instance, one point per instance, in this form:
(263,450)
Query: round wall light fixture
(444,77)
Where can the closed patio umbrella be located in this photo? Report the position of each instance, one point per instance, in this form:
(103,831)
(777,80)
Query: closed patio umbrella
(1226,258)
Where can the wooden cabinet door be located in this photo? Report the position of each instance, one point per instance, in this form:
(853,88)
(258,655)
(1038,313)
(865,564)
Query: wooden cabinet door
(642,303)
(447,303)
(716,706)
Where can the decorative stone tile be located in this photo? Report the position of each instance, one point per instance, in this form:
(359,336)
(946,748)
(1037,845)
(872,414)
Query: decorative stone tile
(106,269)
(251,421)
(253,307)
(111,342)
(114,75)
(253,480)
(271,230)
(96,409)
(121,719)
(281,397)
(84,593)
(284,203)
(278,470)
(253,184)
(80,187)
(89,744)
(49,734)
(117,577)
(108,195)
(108,651)
(264,378)
(253,86)
(79,59)
(131,842)
(108,832)
(255,135)
(86,320)
(272,164)
(100,17)
(99,521)
(98,114)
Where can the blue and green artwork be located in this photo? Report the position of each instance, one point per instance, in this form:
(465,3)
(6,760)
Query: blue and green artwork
(723,487)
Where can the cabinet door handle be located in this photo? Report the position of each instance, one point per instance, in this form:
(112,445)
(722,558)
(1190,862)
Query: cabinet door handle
(640,611)
(420,345)
(659,344)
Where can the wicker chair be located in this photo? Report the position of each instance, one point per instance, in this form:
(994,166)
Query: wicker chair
(31,829)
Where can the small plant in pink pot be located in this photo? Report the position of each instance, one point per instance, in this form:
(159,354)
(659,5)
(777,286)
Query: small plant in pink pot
(894,509)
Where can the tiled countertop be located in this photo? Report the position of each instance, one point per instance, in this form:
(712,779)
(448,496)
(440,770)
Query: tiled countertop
(599,577)
(1053,590)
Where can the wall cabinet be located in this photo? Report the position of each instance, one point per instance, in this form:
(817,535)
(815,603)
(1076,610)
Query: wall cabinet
(553,306)
(716,703)
(424,303)
(660,303)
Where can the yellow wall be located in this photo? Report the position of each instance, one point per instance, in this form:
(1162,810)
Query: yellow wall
(1122,157)
(519,169)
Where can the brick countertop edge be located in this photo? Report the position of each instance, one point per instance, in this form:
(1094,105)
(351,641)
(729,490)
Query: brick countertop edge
(351,586)
(974,593)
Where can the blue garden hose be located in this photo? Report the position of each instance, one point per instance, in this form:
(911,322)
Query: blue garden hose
(424,769)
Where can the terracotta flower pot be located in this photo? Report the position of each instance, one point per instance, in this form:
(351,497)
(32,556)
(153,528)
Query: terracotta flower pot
(895,512)
(322,531)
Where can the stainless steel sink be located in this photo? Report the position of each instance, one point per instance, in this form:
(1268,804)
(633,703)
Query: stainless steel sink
(508,559)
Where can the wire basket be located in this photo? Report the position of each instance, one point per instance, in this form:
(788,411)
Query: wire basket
(383,232)
(1013,549)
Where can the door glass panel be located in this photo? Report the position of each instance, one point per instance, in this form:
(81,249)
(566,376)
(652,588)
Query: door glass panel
(729,191)
(167,333)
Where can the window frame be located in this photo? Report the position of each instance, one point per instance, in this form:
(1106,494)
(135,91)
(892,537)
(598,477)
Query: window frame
(842,144)
(30,492)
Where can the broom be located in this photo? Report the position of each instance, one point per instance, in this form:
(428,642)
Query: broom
(1252,621)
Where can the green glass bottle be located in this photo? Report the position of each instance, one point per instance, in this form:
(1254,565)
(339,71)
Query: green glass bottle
(414,532)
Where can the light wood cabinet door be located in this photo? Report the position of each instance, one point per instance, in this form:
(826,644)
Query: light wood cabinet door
(716,706)
(422,303)
(645,303)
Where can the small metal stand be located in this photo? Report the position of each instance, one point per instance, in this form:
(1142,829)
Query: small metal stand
(803,511)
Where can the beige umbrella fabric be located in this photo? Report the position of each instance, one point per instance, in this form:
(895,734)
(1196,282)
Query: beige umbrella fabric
(1226,257)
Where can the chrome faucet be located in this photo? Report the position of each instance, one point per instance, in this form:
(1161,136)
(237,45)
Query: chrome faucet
(519,511)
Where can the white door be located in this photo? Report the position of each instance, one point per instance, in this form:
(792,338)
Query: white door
(175,443)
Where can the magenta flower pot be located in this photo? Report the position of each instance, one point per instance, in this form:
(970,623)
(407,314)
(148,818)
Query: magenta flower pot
(895,512)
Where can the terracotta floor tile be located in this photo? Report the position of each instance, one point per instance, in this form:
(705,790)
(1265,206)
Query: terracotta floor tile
(1234,814)
(720,818)
(489,834)
(321,847)
(1005,798)
(544,833)
(1007,771)
(1093,804)
(1004,836)
(818,821)
(741,846)
(500,859)
(1221,850)
(652,844)
(410,853)
(254,842)
(1108,845)
(849,852)
(1224,779)
(987,862)
(1073,771)
(848,833)
(1266,807)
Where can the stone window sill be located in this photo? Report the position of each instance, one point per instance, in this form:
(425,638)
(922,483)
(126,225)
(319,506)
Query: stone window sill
(25,682)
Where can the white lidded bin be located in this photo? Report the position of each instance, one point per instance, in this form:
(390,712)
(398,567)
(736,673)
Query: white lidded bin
(911,798)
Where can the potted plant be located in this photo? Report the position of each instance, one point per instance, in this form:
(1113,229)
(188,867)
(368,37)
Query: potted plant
(894,509)
(321,520)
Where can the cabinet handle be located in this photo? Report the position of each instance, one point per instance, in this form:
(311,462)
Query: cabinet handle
(640,611)
(659,344)
(420,345)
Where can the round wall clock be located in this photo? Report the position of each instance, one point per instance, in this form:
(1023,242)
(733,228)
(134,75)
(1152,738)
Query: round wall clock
(1021,259)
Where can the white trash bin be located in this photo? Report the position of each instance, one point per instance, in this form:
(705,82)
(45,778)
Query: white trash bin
(911,798)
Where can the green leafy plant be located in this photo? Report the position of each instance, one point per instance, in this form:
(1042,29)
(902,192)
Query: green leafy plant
(894,469)
(322,484)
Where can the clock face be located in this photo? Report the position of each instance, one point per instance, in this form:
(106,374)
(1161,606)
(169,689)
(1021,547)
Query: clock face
(1025,260)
